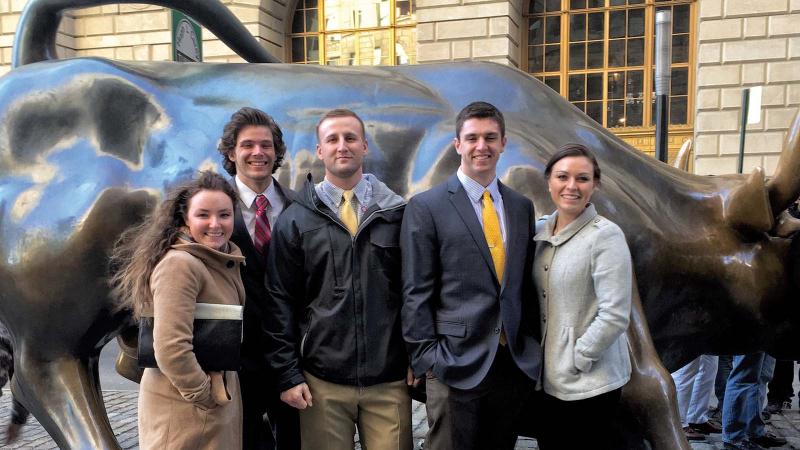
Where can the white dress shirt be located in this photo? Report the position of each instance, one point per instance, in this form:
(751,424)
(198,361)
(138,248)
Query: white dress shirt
(475,195)
(248,205)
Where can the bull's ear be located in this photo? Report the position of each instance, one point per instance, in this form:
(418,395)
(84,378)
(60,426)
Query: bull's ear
(786,225)
(747,207)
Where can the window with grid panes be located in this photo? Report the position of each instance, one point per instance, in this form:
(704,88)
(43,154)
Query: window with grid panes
(593,53)
(354,32)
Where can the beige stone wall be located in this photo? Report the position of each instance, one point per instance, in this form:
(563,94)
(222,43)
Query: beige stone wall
(9,18)
(745,43)
(142,33)
(458,30)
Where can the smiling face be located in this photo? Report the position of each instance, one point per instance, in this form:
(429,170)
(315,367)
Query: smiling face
(210,218)
(480,144)
(254,157)
(571,185)
(342,148)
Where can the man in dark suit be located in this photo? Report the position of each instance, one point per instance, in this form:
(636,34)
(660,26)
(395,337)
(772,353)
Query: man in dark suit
(470,319)
(252,149)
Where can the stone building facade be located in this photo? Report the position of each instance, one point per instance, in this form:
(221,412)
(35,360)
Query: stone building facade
(745,43)
(728,45)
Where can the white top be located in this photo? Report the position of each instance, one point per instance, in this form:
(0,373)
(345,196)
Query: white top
(475,195)
(248,205)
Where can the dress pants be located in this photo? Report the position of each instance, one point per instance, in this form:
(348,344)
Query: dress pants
(741,413)
(382,413)
(694,384)
(481,418)
(780,388)
(581,424)
(281,429)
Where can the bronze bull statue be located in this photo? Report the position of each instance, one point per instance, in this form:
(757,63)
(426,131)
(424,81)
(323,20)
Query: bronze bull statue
(88,145)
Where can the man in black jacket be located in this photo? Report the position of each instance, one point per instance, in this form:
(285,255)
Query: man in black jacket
(334,313)
(252,149)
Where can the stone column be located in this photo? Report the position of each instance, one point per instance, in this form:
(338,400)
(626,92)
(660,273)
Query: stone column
(459,30)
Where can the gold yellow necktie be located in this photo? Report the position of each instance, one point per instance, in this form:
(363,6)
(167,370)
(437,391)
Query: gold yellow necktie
(491,229)
(347,213)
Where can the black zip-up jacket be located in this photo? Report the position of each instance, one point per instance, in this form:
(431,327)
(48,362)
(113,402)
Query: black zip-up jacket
(335,299)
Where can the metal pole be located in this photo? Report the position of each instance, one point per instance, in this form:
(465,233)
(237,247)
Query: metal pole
(743,130)
(663,78)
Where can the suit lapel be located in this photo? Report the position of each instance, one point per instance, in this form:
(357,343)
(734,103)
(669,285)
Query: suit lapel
(242,238)
(284,194)
(513,224)
(462,205)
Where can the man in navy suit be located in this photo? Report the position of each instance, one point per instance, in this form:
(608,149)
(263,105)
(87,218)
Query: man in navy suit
(470,318)
(252,149)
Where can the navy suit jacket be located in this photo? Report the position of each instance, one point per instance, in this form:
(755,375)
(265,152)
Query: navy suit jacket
(254,280)
(453,304)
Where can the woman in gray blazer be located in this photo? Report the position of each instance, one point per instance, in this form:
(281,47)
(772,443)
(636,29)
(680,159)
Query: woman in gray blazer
(582,269)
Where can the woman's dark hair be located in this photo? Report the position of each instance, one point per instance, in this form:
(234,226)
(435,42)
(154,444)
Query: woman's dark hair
(572,150)
(139,249)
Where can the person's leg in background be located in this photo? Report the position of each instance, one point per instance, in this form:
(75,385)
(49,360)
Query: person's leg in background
(780,391)
(697,414)
(723,370)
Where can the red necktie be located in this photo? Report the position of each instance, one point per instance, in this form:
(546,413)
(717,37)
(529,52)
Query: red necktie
(263,233)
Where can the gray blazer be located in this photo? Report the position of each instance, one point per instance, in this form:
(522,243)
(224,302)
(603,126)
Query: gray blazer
(453,304)
(583,279)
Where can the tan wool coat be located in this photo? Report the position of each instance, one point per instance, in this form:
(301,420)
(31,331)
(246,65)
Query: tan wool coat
(176,406)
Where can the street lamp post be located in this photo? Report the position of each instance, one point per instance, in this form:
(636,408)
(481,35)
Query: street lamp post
(663,76)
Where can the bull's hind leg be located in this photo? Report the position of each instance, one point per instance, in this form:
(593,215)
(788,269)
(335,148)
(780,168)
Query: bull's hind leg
(650,394)
(64,395)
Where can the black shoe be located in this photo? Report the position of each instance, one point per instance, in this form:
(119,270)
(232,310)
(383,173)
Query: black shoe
(707,427)
(692,435)
(741,445)
(774,406)
(769,440)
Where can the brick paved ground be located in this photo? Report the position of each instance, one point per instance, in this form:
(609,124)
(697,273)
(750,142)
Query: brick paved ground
(121,406)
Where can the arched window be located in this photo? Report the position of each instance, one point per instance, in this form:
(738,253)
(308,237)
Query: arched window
(593,53)
(354,32)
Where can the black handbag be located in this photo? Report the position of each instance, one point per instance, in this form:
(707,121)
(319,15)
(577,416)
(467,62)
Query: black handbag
(217,337)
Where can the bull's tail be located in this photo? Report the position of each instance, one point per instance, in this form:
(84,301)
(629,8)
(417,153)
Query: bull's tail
(35,39)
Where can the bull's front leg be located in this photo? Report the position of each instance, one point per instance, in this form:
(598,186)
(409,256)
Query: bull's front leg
(64,394)
(650,394)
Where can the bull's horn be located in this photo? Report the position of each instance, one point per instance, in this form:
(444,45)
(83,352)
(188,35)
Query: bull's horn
(784,186)
(682,160)
(747,206)
(35,39)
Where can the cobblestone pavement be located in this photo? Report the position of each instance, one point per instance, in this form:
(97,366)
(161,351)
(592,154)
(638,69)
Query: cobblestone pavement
(121,406)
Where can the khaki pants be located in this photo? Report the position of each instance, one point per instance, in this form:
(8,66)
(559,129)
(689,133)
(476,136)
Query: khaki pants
(382,413)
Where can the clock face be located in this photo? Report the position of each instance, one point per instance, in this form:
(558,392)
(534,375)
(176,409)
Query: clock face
(187,44)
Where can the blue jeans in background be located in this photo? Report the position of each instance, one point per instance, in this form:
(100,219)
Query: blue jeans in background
(741,413)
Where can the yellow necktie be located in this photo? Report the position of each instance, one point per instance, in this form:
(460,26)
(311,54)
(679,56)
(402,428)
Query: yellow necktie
(491,229)
(347,213)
